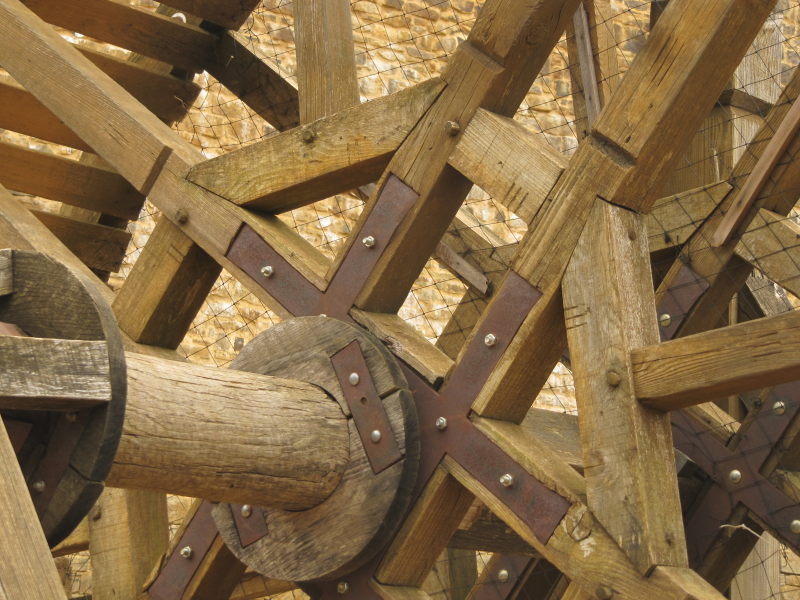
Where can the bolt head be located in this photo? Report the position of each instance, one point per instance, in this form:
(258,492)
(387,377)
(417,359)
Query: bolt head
(247,510)
(735,476)
(187,552)
(368,241)
(613,378)
(441,423)
(38,486)
(342,587)
(665,319)
(779,408)
(507,480)
(489,340)
(375,436)
(308,136)
(181,216)
(354,379)
(603,592)
(502,575)
(267,271)
(452,128)
(794,526)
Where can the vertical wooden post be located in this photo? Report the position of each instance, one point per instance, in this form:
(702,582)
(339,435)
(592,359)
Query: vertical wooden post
(609,308)
(760,575)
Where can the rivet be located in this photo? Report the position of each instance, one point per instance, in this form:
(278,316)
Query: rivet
(375,436)
(354,379)
(342,587)
(735,476)
(779,408)
(187,552)
(267,271)
(368,241)
(489,340)
(39,486)
(181,216)
(612,378)
(502,575)
(247,510)
(665,319)
(794,526)
(603,592)
(452,128)
(507,480)
(71,417)
(308,136)
(441,423)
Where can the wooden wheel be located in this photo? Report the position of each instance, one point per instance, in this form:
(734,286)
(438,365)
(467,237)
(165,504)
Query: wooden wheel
(611,521)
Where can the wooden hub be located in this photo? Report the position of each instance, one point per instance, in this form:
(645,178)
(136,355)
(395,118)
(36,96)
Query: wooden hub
(362,514)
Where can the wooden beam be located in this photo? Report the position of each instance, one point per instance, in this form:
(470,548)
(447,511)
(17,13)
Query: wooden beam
(718,363)
(230,14)
(330,156)
(47,175)
(27,571)
(609,308)
(77,541)
(772,244)
(139,30)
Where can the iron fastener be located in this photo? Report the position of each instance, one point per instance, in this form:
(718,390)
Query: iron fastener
(779,408)
(368,241)
(375,436)
(735,476)
(354,379)
(181,216)
(489,340)
(603,592)
(342,587)
(441,423)
(613,378)
(267,271)
(502,575)
(794,526)
(187,552)
(507,480)
(308,136)
(38,486)
(452,128)
(247,510)
(665,319)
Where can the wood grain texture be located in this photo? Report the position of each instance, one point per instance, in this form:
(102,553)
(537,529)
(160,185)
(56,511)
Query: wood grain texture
(609,307)
(77,541)
(230,14)
(718,363)
(43,174)
(177,414)
(6,272)
(51,374)
(348,149)
(27,571)
(772,244)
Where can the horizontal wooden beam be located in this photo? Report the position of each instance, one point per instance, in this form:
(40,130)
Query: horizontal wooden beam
(718,363)
(51,374)
(230,14)
(330,156)
(136,29)
(50,176)
(772,244)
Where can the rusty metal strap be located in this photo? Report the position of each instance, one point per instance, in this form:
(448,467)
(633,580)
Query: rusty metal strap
(250,523)
(681,296)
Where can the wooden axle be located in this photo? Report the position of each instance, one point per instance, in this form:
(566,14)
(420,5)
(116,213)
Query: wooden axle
(229,436)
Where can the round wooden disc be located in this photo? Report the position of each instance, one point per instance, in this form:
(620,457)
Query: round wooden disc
(51,301)
(361,515)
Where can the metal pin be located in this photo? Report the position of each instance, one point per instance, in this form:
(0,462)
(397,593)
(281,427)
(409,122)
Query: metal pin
(187,552)
(735,476)
(267,271)
(779,408)
(368,241)
(613,378)
(38,486)
(247,510)
(342,587)
(375,436)
(794,526)
(441,423)
(507,480)
(665,320)
(502,575)
(489,340)
(452,128)
(354,379)
(308,136)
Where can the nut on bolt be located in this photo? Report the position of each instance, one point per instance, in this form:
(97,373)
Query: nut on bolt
(342,587)
(489,340)
(735,476)
(779,408)
(267,271)
(502,575)
(368,241)
(187,552)
(507,480)
(453,128)
(441,423)
(247,510)
(665,319)
(38,486)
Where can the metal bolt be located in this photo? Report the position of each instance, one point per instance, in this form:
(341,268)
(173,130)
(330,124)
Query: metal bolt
(502,575)
(507,480)
(39,486)
(354,379)
(665,319)
(779,408)
(735,476)
(247,510)
(794,526)
(489,340)
(308,136)
(375,436)
(452,128)
(441,423)
(342,587)
(603,592)
(613,378)
(368,241)
(187,552)
(181,216)
(267,271)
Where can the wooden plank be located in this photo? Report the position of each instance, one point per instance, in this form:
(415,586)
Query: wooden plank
(395,592)
(507,161)
(145,32)
(230,14)
(254,587)
(772,244)
(98,246)
(6,272)
(326,62)
(51,374)
(718,363)
(346,150)
(760,575)
(609,306)
(43,174)
(77,541)
(462,267)
(27,571)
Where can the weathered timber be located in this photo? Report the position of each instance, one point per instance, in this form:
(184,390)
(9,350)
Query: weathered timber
(329,156)
(176,414)
(77,541)
(609,307)
(6,273)
(43,174)
(230,14)
(772,244)
(27,571)
(717,363)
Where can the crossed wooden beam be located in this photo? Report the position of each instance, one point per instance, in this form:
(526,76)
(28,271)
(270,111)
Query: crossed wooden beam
(580,216)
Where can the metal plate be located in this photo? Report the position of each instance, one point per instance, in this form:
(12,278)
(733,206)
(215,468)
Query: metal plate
(252,528)
(17,432)
(681,296)
(366,407)
(493,588)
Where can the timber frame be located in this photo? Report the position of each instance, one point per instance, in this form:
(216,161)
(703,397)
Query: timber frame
(601,517)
